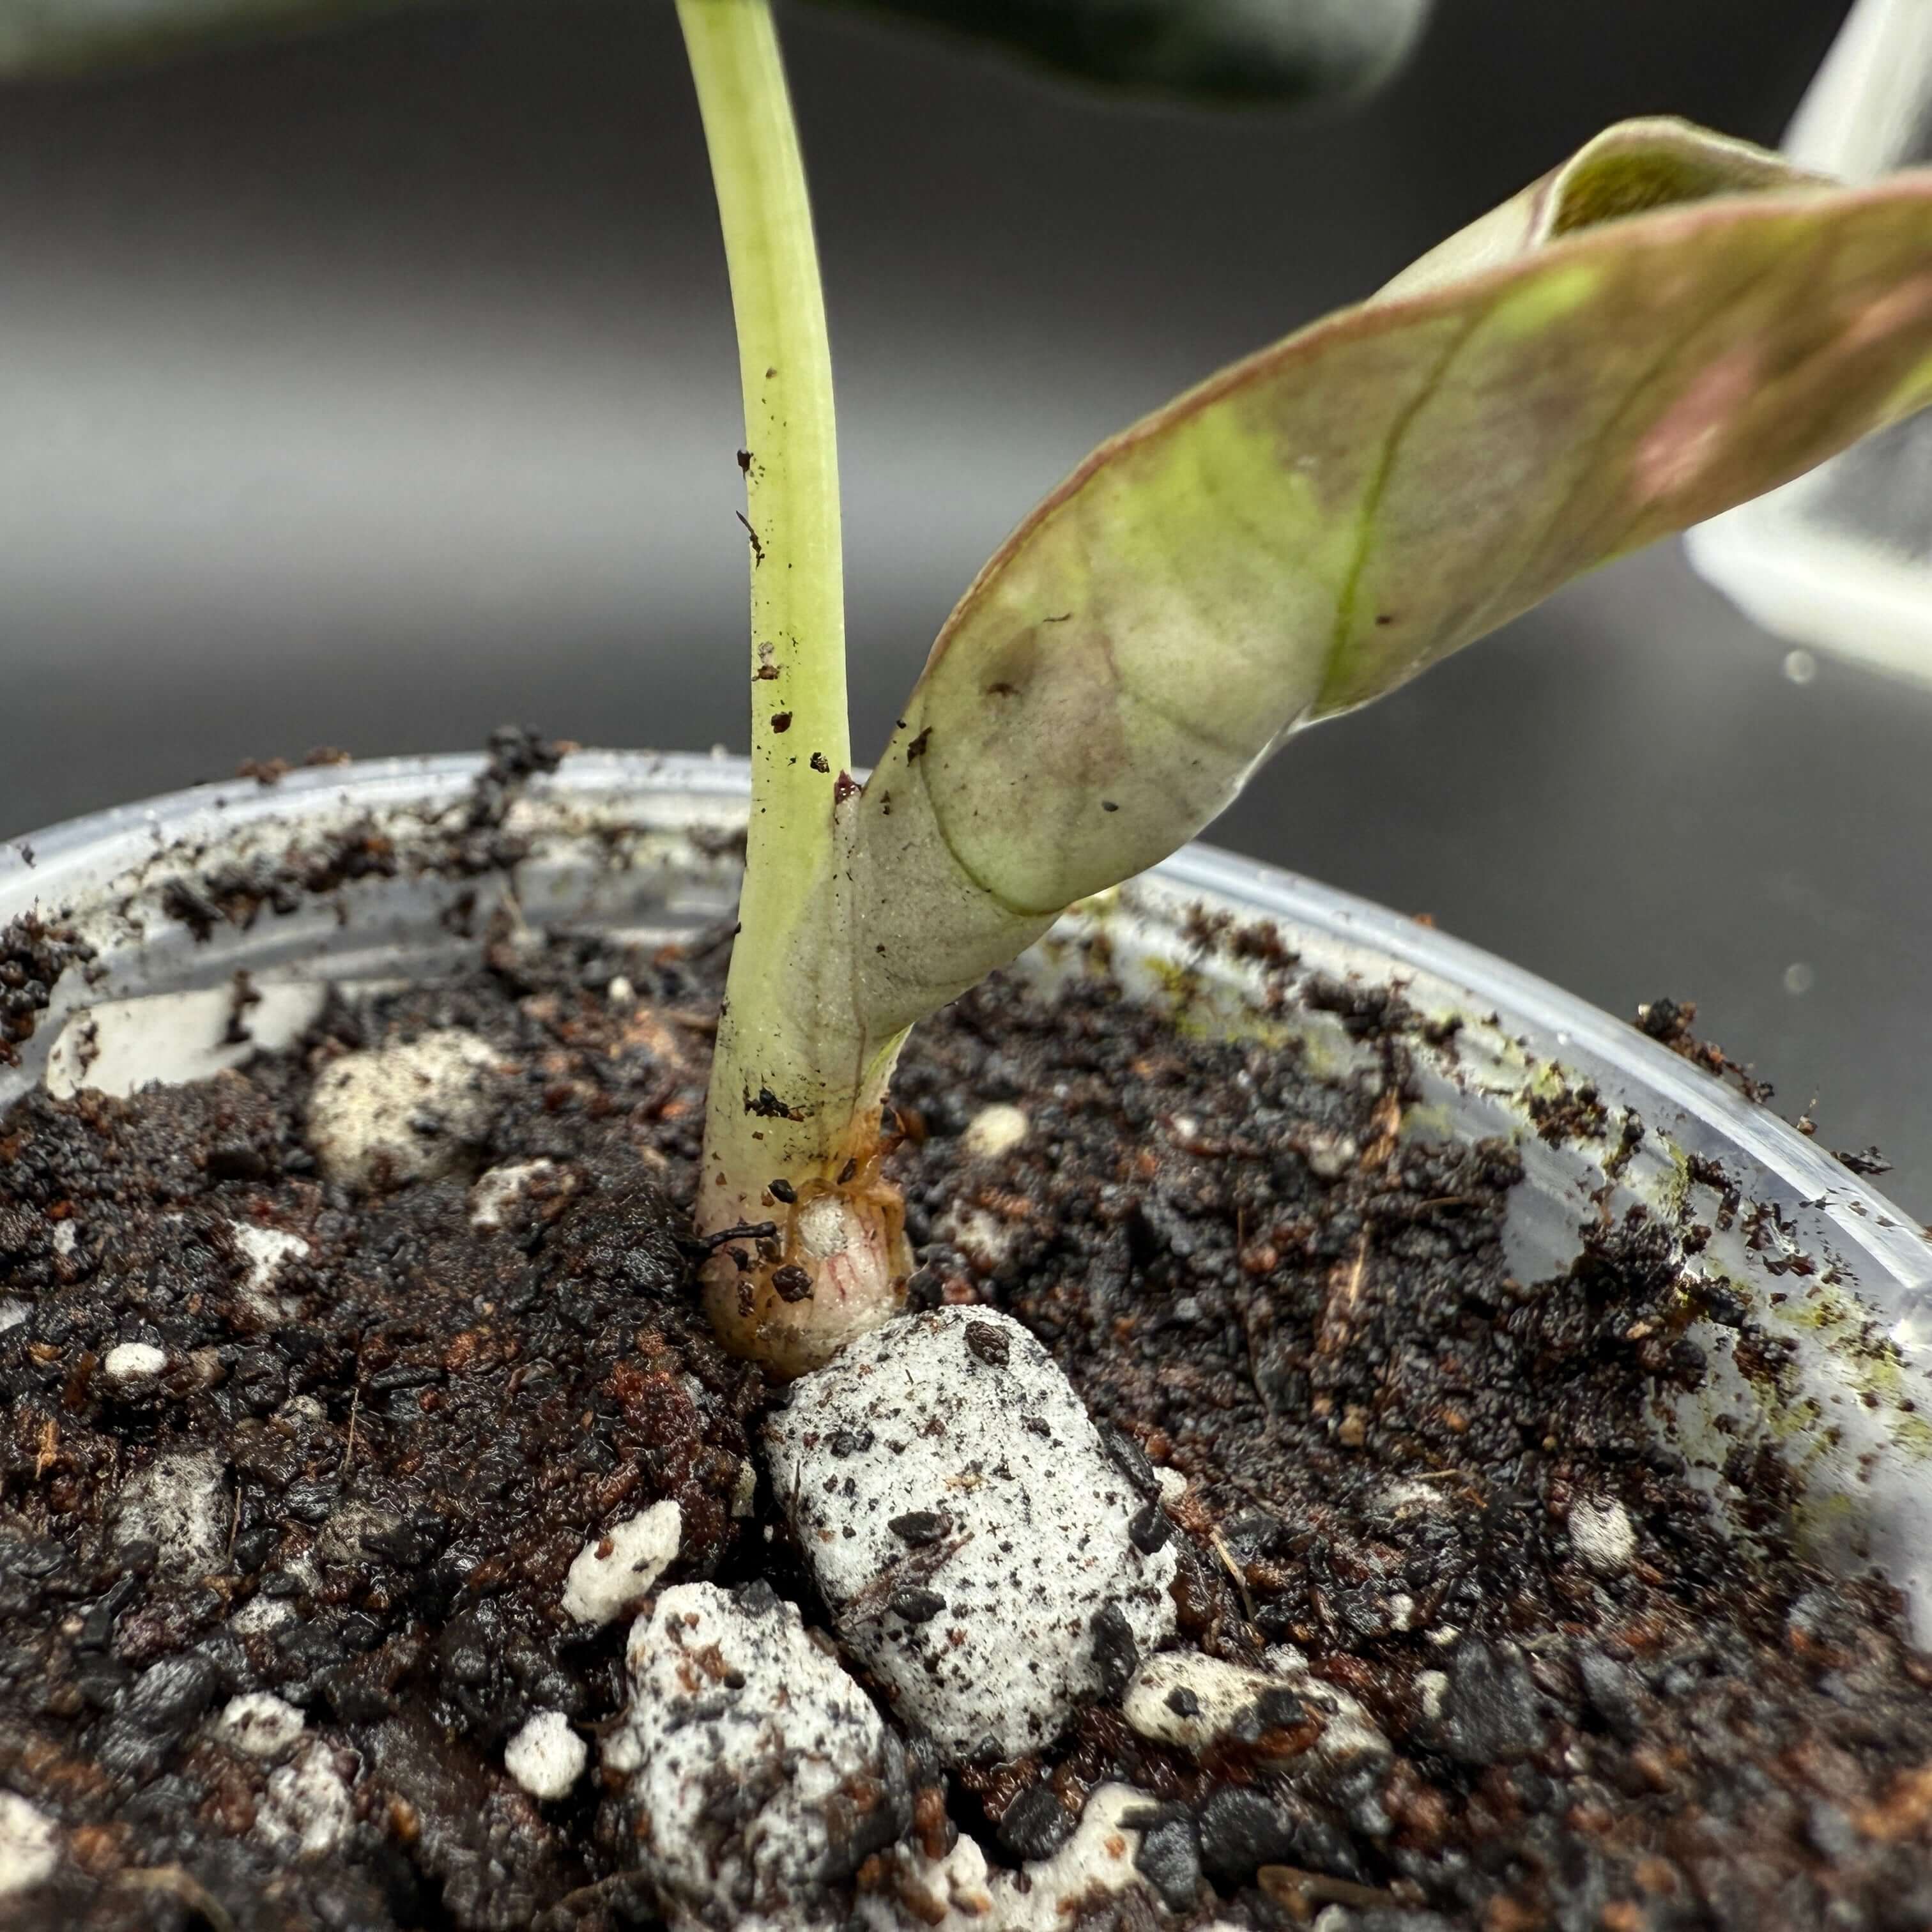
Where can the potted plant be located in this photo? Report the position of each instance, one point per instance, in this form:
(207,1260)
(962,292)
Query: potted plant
(1366,1439)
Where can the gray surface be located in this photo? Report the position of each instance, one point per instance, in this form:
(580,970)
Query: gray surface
(373,392)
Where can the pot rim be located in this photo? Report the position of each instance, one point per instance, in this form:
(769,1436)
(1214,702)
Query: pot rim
(74,853)
(1841,1277)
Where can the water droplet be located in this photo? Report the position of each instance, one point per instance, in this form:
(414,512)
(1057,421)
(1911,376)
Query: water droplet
(1913,1328)
(1799,978)
(1800,666)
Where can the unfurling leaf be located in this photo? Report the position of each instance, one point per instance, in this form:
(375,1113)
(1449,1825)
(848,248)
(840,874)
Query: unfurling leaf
(1669,324)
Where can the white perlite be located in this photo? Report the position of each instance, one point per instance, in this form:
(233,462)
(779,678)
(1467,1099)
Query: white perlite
(132,1366)
(306,1811)
(259,1725)
(396,1114)
(27,1847)
(12,1313)
(981,1236)
(546,1757)
(955,1893)
(1182,1698)
(731,1701)
(1432,1694)
(966,1526)
(745,1491)
(261,1615)
(612,1573)
(342,1537)
(265,1250)
(494,1198)
(1604,1536)
(994,1130)
(180,1502)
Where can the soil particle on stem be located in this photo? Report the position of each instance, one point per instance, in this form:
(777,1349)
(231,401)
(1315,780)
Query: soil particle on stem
(294,1475)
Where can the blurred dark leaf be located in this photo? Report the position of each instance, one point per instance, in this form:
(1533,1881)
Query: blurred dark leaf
(67,36)
(1273,50)
(1287,51)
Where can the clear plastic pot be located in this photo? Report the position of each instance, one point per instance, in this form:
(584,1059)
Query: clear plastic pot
(1842,557)
(376,872)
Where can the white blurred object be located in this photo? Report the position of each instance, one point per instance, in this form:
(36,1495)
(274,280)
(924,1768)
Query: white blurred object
(1841,558)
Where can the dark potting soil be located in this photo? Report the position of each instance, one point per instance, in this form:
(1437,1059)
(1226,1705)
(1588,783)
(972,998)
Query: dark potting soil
(358,1485)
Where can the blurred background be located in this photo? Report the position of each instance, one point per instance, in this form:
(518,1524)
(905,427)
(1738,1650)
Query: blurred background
(374,390)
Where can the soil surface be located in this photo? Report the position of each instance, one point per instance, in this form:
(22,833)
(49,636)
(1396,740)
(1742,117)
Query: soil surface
(355,1475)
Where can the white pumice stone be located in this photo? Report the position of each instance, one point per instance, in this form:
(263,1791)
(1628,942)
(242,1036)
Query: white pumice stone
(259,1725)
(1603,1534)
(29,1849)
(180,1503)
(306,1811)
(967,1528)
(132,1366)
(995,1130)
(264,1249)
(1173,1484)
(494,1198)
(730,1696)
(613,1572)
(396,1114)
(12,1313)
(67,1237)
(546,1756)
